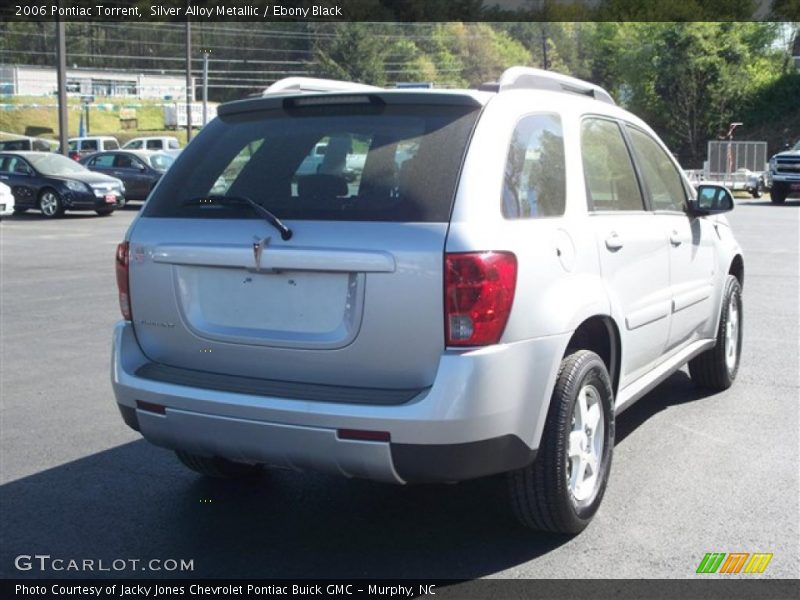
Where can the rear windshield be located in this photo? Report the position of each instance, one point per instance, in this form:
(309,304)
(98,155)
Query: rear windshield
(345,163)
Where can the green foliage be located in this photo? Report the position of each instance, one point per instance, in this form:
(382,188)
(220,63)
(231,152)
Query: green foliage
(688,80)
(352,53)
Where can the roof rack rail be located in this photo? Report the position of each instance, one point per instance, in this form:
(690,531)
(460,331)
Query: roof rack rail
(290,85)
(528,78)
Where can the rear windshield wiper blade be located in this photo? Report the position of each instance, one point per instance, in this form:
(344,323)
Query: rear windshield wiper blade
(218,199)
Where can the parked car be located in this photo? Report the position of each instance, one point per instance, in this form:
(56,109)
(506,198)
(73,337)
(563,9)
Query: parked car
(28,144)
(83,146)
(784,174)
(6,201)
(754,182)
(313,161)
(537,265)
(152,143)
(53,184)
(139,170)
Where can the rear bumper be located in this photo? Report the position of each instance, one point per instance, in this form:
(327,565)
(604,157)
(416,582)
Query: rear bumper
(483,414)
(85,201)
(6,206)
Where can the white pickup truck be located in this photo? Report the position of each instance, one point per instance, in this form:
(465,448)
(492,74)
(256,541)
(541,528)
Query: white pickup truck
(784,174)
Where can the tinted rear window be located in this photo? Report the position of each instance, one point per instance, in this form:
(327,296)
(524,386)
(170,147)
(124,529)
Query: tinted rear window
(346,163)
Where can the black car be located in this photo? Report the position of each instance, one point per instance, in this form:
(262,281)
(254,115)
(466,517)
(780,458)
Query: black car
(53,183)
(139,170)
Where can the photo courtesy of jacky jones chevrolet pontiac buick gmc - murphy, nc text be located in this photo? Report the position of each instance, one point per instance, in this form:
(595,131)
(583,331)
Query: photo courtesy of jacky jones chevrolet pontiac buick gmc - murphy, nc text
(468,283)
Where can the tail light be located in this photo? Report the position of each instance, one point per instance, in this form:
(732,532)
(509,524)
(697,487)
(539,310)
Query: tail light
(123,256)
(478,294)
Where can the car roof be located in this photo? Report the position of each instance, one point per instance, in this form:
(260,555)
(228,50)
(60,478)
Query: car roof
(92,137)
(28,153)
(151,137)
(135,152)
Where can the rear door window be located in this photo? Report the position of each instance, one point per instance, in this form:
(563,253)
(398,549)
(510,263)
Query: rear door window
(111,145)
(154,144)
(343,163)
(104,161)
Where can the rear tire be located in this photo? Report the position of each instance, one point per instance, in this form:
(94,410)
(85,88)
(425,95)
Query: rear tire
(563,488)
(716,368)
(218,467)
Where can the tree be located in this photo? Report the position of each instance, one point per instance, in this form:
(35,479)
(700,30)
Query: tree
(352,53)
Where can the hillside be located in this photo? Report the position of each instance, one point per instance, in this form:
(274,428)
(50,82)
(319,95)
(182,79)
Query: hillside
(38,116)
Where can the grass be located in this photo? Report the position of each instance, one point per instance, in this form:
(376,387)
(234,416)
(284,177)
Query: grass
(42,120)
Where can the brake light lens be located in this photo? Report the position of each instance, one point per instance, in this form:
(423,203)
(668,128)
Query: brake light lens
(478,295)
(123,259)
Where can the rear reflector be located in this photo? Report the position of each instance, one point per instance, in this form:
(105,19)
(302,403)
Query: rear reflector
(123,260)
(478,295)
(150,407)
(364,436)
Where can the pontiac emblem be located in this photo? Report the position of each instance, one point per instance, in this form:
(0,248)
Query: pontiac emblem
(258,249)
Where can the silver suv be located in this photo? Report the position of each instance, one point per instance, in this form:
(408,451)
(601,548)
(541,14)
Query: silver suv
(510,269)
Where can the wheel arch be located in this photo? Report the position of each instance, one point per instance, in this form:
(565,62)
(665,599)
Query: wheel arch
(737,268)
(47,188)
(600,334)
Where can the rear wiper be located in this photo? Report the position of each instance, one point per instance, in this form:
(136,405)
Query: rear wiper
(218,199)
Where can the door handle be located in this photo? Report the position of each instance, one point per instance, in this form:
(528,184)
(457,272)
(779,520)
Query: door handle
(675,239)
(614,242)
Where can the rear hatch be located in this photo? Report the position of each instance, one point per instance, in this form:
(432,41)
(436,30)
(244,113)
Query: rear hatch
(354,298)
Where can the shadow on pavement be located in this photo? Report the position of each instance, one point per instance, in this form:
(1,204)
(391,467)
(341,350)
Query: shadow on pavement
(136,501)
(675,390)
(35,215)
(789,202)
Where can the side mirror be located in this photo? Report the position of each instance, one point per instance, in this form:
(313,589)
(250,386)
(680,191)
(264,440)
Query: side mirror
(712,200)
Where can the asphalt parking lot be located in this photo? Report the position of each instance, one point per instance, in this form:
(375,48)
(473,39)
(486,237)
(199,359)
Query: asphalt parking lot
(692,473)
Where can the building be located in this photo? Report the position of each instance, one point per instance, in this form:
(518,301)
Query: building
(16,80)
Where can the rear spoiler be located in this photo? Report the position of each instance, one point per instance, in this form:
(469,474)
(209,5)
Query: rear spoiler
(467,98)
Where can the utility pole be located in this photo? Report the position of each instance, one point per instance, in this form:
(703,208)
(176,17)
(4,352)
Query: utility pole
(205,87)
(189,91)
(545,64)
(61,51)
